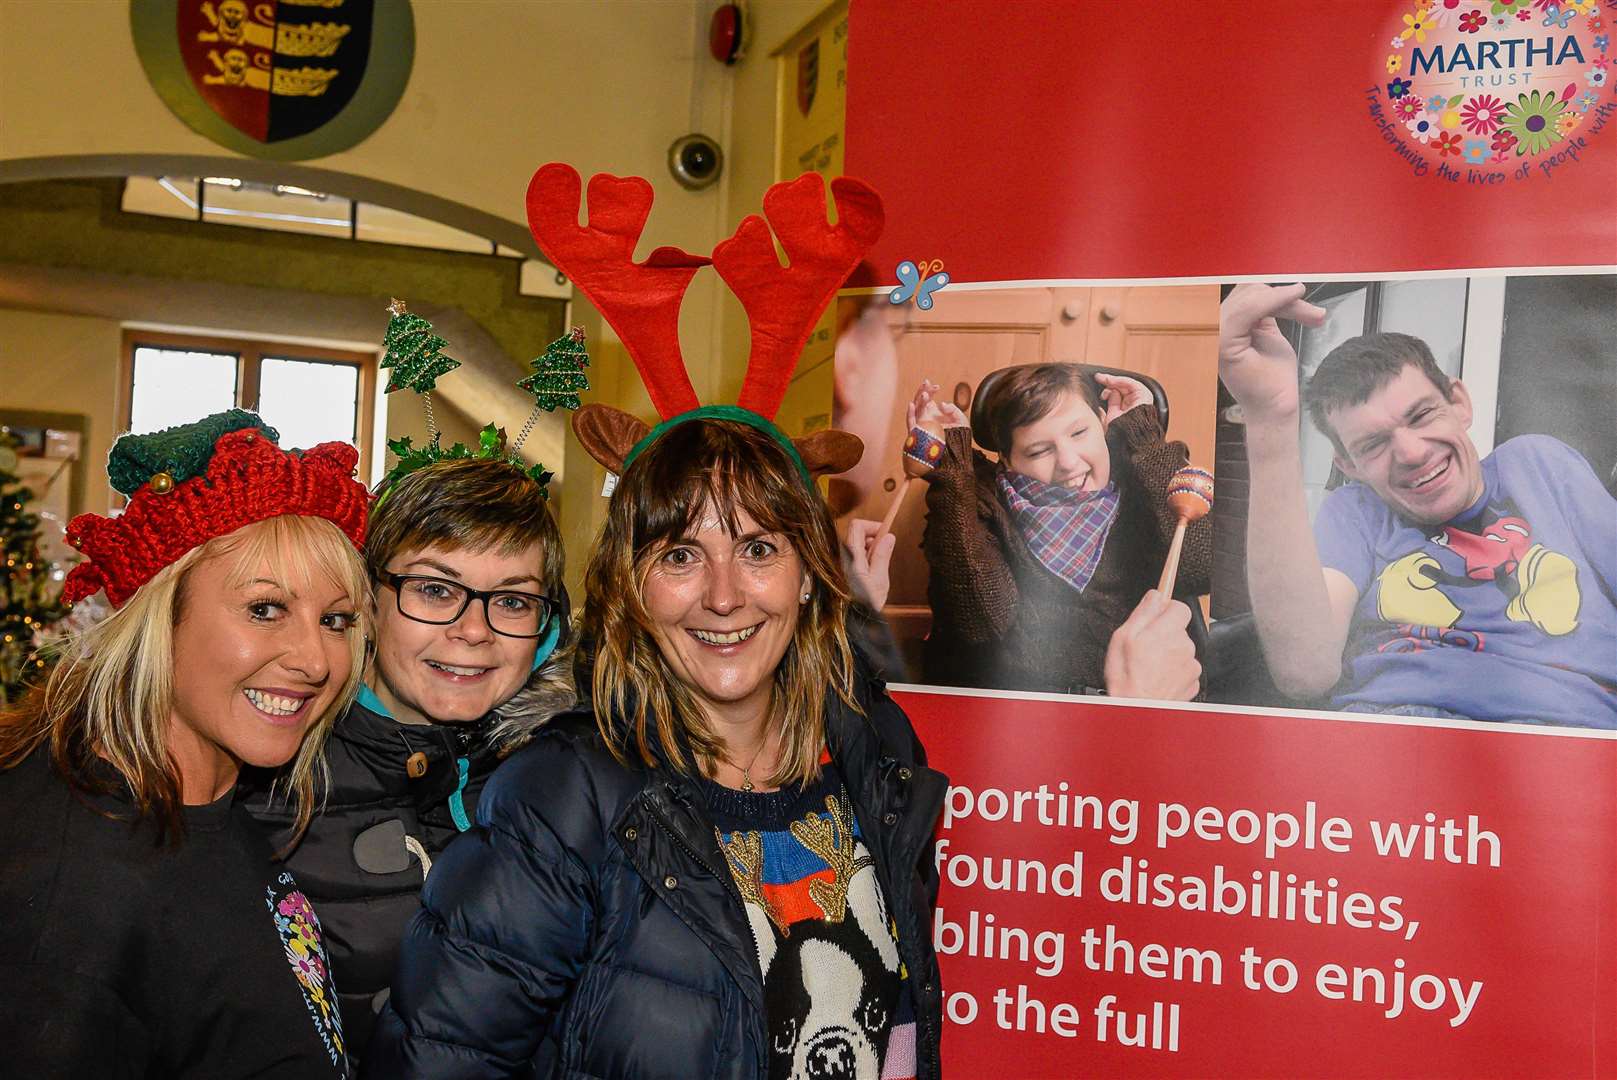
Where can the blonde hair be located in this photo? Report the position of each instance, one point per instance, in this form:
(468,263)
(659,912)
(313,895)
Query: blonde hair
(725,468)
(110,697)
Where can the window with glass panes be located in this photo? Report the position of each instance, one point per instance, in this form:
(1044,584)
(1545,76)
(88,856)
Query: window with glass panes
(310,395)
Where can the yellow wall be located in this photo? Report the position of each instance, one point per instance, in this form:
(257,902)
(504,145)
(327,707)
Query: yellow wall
(498,87)
(42,366)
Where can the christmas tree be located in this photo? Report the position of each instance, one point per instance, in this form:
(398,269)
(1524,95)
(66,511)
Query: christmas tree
(414,352)
(558,375)
(29,602)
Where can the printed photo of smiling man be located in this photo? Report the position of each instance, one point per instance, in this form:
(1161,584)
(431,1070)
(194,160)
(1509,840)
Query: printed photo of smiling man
(1422,544)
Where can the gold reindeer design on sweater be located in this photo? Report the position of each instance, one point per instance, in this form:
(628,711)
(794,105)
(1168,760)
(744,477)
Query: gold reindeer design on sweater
(745,852)
(831,838)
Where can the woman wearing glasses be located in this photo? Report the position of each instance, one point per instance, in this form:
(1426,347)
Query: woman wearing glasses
(469,657)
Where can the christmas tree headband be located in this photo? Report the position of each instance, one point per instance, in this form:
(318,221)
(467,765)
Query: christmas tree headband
(641,300)
(190,484)
(414,353)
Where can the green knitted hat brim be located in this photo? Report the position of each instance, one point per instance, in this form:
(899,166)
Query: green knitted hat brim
(182,452)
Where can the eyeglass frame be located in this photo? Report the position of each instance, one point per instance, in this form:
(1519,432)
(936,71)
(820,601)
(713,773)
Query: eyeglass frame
(550,606)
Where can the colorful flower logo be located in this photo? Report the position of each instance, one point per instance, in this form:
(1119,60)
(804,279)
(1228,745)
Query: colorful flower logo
(1532,120)
(299,930)
(1481,114)
(1496,86)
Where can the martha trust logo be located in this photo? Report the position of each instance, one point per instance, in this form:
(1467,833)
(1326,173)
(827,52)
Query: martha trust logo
(1490,91)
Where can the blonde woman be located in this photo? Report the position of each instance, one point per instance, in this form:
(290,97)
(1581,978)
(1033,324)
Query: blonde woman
(722,867)
(148,931)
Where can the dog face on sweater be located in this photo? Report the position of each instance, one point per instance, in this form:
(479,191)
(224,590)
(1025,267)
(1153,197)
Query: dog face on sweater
(828,1003)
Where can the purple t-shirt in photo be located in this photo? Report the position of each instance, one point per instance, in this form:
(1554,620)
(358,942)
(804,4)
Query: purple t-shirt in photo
(1505,613)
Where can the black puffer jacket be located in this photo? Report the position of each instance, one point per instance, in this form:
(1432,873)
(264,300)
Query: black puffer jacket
(380,825)
(587,926)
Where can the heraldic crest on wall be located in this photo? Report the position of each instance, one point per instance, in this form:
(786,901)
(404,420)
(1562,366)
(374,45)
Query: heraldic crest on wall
(277,78)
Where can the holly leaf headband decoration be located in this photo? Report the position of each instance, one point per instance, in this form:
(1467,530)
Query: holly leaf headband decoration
(415,354)
(490,447)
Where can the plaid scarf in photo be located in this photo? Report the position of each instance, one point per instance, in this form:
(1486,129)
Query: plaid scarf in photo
(1064,529)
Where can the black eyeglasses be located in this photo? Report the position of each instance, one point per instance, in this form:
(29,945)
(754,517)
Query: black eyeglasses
(441,602)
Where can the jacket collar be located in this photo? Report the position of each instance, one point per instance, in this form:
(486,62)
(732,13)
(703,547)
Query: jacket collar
(368,725)
(548,691)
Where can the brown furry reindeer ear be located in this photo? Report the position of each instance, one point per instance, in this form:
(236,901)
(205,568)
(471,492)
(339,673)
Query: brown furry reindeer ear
(829,452)
(608,434)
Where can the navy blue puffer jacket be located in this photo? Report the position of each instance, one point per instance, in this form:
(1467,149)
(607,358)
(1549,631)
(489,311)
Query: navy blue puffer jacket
(587,927)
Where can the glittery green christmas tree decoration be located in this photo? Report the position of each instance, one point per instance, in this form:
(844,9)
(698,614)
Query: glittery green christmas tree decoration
(414,352)
(558,374)
(557,380)
(30,586)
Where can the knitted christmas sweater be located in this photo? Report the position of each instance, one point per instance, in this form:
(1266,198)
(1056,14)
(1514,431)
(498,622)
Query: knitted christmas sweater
(999,618)
(833,984)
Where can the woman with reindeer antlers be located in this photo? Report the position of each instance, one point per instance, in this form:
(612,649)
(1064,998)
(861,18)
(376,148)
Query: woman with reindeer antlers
(721,864)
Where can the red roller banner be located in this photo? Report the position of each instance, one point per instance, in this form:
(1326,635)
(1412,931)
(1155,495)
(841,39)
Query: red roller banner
(1081,140)
(1137,891)
(1356,814)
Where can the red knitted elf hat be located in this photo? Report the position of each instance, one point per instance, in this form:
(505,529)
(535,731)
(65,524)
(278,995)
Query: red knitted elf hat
(642,300)
(190,484)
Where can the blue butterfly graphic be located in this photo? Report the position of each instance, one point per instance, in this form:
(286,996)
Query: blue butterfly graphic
(1554,16)
(911,284)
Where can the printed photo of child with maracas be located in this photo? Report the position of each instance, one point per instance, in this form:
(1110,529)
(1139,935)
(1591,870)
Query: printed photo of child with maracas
(1072,563)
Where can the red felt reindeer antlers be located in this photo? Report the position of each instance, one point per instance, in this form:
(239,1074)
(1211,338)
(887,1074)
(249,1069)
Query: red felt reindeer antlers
(640,300)
(784,302)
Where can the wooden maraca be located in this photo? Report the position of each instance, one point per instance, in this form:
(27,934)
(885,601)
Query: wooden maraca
(1190,497)
(922,449)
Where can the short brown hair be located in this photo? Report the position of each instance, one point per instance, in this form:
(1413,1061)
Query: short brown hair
(1359,367)
(730,468)
(469,504)
(1025,394)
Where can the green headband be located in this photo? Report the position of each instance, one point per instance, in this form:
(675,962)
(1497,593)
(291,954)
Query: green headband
(723,412)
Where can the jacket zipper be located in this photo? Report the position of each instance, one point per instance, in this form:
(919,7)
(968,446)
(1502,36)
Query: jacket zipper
(668,827)
(899,878)
(729,885)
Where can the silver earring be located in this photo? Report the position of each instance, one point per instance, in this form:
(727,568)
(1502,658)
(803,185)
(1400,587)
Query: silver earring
(804,598)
